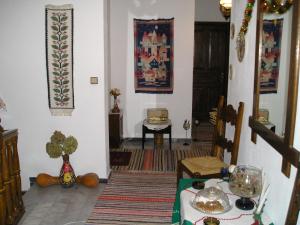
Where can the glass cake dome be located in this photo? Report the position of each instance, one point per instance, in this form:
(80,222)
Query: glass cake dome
(211,201)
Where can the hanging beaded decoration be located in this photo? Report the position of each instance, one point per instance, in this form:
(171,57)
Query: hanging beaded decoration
(275,6)
(240,41)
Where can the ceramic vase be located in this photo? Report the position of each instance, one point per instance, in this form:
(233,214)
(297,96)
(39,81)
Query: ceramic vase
(66,176)
(116,107)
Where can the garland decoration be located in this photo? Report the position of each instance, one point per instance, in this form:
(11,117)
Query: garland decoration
(275,6)
(247,16)
(240,41)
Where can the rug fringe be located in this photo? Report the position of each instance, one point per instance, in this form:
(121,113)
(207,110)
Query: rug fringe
(65,6)
(61,112)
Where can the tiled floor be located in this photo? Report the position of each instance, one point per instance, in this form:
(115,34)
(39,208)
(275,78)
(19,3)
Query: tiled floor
(55,205)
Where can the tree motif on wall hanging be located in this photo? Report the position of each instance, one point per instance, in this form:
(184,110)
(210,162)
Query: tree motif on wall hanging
(59,47)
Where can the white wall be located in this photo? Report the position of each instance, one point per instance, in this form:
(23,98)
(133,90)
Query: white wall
(134,105)
(23,86)
(208,10)
(261,154)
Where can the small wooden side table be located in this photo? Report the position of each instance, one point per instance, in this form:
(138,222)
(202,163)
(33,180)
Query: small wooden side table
(158,131)
(115,129)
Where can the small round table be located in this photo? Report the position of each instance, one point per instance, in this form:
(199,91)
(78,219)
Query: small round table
(158,130)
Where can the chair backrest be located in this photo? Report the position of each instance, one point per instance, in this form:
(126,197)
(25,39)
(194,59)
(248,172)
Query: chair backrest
(227,114)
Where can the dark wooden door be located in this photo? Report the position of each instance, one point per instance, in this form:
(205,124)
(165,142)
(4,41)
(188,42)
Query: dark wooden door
(210,66)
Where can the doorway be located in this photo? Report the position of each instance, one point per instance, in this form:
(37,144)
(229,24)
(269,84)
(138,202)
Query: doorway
(210,73)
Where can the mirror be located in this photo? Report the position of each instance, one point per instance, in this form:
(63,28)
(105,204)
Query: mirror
(274,70)
(276,79)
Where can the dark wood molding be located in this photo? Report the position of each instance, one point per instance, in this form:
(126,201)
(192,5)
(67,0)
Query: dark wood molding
(294,207)
(258,47)
(293,84)
(287,152)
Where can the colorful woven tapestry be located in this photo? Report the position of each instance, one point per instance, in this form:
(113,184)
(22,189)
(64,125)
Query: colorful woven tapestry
(59,53)
(153,54)
(270,58)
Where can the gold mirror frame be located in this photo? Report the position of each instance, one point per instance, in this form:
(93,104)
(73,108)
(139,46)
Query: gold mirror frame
(284,146)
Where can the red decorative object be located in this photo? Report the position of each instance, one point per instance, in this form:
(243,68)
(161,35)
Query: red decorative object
(66,176)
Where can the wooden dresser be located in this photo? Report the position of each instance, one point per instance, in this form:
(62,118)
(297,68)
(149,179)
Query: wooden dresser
(11,203)
(115,129)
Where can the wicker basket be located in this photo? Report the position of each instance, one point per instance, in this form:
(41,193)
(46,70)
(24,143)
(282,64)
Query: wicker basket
(157,115)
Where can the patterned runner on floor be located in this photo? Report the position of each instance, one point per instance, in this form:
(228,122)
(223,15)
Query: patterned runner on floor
(135,198)
(163,160)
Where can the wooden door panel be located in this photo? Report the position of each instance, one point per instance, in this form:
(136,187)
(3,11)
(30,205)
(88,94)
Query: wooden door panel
(210,66)
(206,100)
(201,52)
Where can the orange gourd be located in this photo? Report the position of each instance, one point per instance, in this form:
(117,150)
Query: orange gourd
(89,180)
(45,180)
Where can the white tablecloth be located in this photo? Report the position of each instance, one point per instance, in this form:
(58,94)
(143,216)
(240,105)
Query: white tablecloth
(233,217)
(151,126)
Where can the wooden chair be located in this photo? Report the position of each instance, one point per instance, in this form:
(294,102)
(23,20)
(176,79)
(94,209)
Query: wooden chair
(210,166)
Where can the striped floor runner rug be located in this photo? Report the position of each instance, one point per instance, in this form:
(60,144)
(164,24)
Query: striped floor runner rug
(160,159)
(135,198)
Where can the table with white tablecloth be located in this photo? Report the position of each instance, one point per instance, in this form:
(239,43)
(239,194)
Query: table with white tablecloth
(185,213)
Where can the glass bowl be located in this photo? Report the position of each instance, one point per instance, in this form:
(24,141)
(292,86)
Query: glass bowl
(246,182)
(211,201)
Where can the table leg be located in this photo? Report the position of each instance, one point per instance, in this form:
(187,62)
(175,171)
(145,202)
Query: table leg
(143,139)
(170,139)
(179,171)
(158,139)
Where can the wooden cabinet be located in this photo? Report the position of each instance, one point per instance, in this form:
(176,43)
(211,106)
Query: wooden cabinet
(11,203)
(115,129)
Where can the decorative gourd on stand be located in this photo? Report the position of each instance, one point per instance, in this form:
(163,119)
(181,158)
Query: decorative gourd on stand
(60,145)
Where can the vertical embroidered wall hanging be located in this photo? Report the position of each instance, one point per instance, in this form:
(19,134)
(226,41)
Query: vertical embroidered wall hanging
(59,53)
(270,58)
(153,56)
